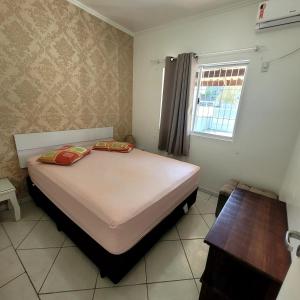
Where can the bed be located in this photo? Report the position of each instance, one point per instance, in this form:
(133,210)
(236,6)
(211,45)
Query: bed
(114,206)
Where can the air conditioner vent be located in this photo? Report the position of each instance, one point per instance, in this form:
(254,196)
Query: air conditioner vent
(274,13)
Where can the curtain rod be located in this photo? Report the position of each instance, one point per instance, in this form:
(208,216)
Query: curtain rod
(243,50)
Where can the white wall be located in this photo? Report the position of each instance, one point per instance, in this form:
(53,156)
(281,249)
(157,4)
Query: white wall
(290,189)
(290,193)
(270,108)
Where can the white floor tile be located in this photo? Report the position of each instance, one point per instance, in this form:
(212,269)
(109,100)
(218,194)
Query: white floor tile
(30,212)
(136,276)
(67,274)
(196,251)
(4,240)
(203,196)
(72,270)
(198,284)
(17,231)
(207,206)
(193,210)
(192,227)
(209,219)
(18,289)
(68,243)
(44,235)
(45,217)
(136,292)
(174,290)
(167,261)
(171,235)
(214,199)
(37,263)
(10,266)
(7,216)
(78,295)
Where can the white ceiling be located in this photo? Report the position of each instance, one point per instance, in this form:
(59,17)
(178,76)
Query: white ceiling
(138,15)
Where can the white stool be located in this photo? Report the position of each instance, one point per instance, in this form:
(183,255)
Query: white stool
(8,192)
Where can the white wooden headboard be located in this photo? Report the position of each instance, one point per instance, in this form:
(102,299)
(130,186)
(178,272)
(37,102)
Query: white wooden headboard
(31,144)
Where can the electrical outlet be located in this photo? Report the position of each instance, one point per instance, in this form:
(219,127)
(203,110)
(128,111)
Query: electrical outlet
(265,66)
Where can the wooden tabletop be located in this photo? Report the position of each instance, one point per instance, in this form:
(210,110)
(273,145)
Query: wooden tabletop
(252,228)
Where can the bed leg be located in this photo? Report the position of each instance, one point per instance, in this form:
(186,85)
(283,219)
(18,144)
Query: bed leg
(58,227)
(102,274)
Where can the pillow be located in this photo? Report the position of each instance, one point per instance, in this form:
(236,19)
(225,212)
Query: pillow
(65,156)
(114,146)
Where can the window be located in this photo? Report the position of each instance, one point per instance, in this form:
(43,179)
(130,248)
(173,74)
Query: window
(218,92)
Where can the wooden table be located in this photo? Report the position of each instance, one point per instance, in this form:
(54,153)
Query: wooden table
(247,258)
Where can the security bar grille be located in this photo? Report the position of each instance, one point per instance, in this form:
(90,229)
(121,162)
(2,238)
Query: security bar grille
(218,91)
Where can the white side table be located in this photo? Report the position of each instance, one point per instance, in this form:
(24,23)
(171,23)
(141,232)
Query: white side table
(8,192)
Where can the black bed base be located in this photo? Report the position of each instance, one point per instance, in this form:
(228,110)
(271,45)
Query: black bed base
(115,267)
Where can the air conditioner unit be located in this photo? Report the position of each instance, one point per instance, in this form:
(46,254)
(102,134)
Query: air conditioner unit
(274,13)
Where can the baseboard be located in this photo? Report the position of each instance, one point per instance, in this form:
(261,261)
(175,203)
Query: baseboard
(25,199)
(209,191)
(4,205)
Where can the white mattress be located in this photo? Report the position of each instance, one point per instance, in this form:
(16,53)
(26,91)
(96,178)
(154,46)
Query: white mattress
(116,198)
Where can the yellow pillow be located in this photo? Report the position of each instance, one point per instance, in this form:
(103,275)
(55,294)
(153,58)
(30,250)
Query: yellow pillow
(113,146)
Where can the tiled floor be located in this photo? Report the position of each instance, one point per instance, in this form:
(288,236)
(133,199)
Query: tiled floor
(39,262)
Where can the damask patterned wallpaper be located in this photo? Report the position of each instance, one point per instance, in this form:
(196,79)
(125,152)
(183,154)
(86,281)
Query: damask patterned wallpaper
(60,68)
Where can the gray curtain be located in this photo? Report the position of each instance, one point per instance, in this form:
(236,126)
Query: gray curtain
(174,129)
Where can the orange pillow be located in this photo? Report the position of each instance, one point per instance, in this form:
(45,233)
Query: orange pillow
(114,146)
(65,156)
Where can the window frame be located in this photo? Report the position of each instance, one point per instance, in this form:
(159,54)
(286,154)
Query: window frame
(212,135)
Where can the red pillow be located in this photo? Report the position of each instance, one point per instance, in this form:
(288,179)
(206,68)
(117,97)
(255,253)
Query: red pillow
(66,155)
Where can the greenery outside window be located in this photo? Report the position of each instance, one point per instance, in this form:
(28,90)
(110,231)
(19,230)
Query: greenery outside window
(218,91)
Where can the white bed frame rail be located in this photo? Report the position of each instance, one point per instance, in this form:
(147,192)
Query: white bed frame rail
(31,144)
